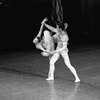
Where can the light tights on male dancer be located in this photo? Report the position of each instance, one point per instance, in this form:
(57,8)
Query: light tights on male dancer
(62,41)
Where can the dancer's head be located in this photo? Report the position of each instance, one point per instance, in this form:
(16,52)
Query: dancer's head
(62,26)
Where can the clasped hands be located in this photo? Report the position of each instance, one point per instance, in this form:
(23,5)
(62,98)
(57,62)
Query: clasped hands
(44,20)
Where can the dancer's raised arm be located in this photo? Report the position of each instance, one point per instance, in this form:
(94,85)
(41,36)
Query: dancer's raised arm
(48,26)
(39,35)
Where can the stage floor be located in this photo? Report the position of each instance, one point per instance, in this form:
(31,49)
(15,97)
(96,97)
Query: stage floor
(18,86)
(23,74)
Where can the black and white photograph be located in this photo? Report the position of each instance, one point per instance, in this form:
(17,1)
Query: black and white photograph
(49,50)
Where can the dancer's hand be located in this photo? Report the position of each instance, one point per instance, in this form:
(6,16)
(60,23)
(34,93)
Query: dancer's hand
(51,52)
(45,19)
(47,51)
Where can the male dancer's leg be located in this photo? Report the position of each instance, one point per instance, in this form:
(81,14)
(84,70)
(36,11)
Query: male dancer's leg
(52,59)
(68,64)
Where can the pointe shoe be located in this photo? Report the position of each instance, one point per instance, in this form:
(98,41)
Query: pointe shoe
(50,79)
(77,80)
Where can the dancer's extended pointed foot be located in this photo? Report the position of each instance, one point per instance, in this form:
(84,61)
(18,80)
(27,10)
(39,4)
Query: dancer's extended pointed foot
(50,79)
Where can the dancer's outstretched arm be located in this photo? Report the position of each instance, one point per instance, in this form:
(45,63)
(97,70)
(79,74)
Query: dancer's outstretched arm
(60,49)
(50,27)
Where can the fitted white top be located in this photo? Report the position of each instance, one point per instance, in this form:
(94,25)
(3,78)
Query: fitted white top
(62,40)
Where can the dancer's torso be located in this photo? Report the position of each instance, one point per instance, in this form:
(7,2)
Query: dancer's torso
(62,40)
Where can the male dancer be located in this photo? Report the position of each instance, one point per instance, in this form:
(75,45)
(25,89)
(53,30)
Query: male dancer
(62,41)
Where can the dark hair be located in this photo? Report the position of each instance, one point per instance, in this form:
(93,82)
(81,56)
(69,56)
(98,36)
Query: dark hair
(39,39)
(63,26)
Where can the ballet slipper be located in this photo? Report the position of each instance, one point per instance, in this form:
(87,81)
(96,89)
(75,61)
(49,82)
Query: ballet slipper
(50,79)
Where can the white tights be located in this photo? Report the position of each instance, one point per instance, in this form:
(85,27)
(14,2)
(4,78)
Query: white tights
(54,58)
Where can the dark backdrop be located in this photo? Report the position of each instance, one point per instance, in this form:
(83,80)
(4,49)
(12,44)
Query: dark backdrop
(21,20)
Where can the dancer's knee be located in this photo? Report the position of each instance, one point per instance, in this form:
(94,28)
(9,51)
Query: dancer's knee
(54,59)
